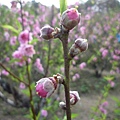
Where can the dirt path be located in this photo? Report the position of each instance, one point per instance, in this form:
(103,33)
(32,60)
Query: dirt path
(83,108)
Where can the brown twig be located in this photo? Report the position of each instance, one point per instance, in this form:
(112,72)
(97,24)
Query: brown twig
(64,39)
(30,90)
(12,74)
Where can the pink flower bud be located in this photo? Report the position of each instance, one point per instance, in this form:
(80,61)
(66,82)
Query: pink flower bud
(46,32)
(46,86)
(70,18)
(74,97)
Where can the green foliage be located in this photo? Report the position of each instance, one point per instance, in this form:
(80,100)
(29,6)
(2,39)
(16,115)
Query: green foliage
(117,107)
(9,27)
(63,5)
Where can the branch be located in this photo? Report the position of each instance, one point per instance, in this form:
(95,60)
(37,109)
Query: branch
(12,74)
(30,90)
(64,39)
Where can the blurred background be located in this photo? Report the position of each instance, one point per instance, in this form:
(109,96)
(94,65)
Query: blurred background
(95,74)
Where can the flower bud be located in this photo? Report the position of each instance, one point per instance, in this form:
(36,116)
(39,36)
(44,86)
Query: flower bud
(79,46)
(82,44)
(62,105)
(46,32)
(46,86)
(70,18)
(74,97)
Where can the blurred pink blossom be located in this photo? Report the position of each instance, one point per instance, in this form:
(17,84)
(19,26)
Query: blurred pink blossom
(22,86)
(4,72)
(104,111)
(115,57)
(14,4)
(7,35)
(13,40)
(83,30)
(101,49)
(75,77)
(24,50)
(103,107)
(24,37)
(112,72)
(95,59)
(118,70)
(87,17)
(76,58)
(17,54)
(7,59)
(112,84)
(39,65)
(104,53)
(44,113)
(28,50)
(82,65)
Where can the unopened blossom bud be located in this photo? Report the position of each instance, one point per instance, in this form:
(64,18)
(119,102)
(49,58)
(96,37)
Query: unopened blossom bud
(46,32)
(82,44)
(79,46)
(70,18)
(74,97)
(62,105)
(46,86)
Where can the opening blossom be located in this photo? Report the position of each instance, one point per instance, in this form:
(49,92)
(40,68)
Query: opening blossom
(70,18)
(46,86)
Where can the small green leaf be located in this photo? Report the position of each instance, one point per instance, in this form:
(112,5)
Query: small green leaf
(11,28)
(90,59)
(63,5)
(26,91)
(32,85)
(74,115)
(33,41)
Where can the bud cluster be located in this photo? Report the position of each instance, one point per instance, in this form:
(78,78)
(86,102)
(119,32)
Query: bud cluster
(69,19)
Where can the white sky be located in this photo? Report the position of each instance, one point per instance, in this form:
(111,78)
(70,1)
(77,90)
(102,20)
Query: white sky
(44,2)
